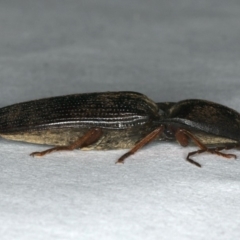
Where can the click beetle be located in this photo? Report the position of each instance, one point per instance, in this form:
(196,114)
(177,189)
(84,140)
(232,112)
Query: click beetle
(120,120)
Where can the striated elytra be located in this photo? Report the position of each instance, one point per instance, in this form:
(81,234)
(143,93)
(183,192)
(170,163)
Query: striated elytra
(120,120)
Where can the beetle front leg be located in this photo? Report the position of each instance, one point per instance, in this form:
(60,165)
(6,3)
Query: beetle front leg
(213,151)
(90,137)
(226,155)
(182,137)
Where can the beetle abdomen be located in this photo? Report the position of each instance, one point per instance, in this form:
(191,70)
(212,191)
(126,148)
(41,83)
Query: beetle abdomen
(111,138)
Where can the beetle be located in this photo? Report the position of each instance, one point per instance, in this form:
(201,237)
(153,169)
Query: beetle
(119,120)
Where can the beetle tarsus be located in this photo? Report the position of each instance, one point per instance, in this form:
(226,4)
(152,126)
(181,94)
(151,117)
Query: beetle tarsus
(55,149)
(193,162)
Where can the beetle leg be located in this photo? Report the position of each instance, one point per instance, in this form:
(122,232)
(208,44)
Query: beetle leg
(90,137)
(213,151)
(147,139)
(180,137)
(192,153)
(184,133)
(226,155)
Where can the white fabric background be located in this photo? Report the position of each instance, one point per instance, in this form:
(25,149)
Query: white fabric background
(168,50)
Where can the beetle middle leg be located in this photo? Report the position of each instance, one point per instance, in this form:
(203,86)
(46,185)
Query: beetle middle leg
(147,139)
(182,136)
(90,137)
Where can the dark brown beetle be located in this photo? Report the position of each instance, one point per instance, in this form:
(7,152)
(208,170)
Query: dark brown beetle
(118,120)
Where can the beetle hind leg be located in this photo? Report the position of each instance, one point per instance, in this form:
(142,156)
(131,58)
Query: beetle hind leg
(90,137)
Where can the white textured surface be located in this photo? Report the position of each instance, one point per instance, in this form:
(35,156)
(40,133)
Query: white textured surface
(169,50)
